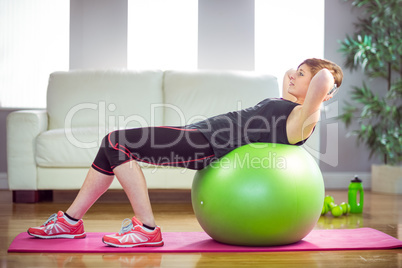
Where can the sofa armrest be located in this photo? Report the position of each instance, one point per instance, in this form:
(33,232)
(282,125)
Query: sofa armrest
(22,129)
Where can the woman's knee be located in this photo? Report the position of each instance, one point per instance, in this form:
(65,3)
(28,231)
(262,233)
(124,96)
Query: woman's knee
(111,139)
(116,147)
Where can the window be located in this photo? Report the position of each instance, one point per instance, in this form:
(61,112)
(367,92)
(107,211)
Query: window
(162,34)
(286,33)
(34,42)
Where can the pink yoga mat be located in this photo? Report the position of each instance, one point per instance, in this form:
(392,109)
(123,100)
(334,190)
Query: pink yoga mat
(338,239)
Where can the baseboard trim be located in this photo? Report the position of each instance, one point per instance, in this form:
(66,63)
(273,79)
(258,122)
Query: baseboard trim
(3,181)
(332,180)
(341,180)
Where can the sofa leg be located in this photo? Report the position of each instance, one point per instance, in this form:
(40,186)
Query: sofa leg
(31,196)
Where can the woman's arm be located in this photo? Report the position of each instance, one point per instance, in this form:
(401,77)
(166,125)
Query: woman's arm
(303,119)
(285,86)
(317,92)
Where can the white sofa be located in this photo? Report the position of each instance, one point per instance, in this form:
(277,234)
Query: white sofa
(52,149)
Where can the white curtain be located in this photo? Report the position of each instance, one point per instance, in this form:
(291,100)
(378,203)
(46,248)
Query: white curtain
(34,41)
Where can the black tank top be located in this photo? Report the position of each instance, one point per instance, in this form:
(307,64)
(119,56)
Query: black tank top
(264,122)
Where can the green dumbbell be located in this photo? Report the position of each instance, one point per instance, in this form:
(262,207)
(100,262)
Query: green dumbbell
(336,210)
(325,208)
(345,207)
(331,206)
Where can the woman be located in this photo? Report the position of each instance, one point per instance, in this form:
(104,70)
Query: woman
(290,120)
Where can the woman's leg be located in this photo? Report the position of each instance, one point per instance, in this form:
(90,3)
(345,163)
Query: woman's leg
(131,179)
(118,151)
(69,224)
(158,145)
(94,186)
(118,155)
(133,182)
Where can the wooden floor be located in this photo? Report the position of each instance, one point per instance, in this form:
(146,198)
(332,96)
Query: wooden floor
(381,212)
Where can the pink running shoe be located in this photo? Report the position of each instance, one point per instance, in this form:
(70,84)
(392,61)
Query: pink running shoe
(57,227)
(133,234)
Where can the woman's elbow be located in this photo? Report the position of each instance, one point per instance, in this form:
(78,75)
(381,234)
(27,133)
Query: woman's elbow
(324,77)
(325,74)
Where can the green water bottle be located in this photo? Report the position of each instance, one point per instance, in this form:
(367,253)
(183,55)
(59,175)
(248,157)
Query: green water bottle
(355,189)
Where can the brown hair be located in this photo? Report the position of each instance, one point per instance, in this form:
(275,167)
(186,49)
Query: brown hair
(319,64)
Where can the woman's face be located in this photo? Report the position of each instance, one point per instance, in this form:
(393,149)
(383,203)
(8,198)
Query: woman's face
(300,81)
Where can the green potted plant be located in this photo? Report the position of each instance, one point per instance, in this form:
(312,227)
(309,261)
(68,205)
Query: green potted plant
(376,48)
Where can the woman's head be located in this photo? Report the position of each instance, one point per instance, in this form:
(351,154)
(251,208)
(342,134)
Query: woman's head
(319,64)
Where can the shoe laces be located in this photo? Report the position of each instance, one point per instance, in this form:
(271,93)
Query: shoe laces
(126,226)
(53,218)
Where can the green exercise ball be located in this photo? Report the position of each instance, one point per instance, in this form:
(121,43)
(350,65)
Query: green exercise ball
(260,194)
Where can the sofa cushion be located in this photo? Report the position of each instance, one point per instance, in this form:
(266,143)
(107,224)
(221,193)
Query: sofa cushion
(72,148)
(68,147)
(110,99)
(190,96)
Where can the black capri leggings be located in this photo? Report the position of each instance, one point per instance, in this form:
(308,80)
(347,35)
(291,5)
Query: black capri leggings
(168,146)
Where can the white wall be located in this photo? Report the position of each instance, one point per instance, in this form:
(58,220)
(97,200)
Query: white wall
(339,20)
(98,34)
(226,34)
